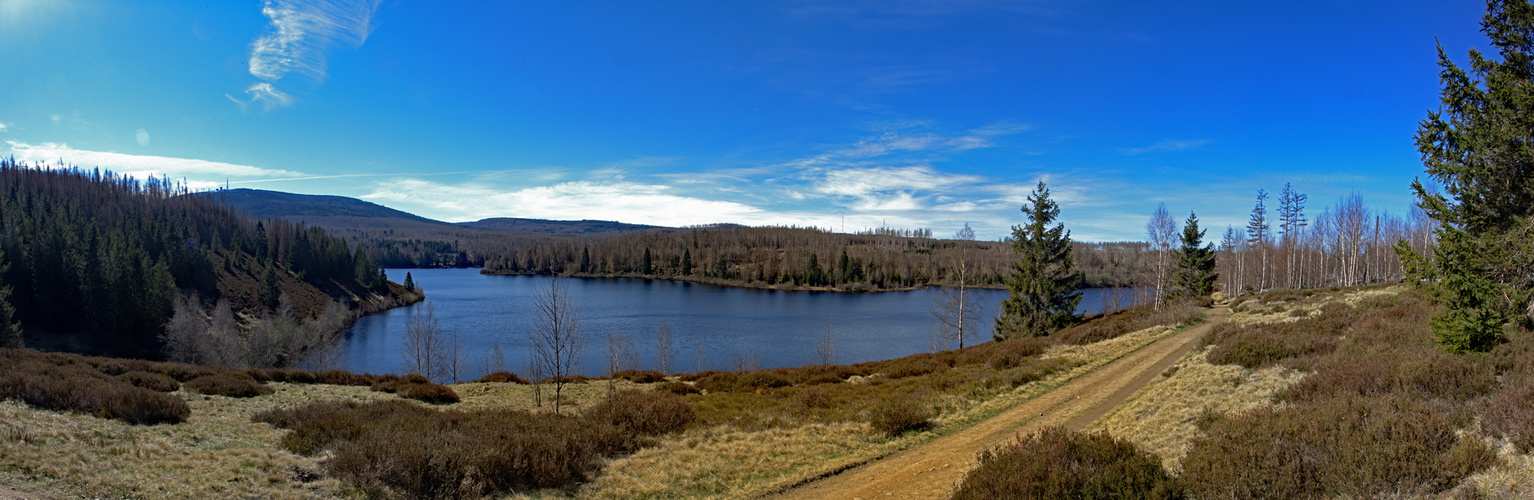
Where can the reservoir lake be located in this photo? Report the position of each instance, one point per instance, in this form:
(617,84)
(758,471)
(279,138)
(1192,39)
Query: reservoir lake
(712,327)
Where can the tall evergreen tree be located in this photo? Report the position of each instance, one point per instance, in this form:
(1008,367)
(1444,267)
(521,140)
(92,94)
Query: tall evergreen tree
(646,266)
(1477,147)
(1043,285)
(1194,275)
(10,329)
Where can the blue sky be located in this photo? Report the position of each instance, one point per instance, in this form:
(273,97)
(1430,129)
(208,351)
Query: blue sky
(840,115)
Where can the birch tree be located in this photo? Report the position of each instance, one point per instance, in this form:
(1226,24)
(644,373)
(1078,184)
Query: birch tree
(1162,231)
(556,337)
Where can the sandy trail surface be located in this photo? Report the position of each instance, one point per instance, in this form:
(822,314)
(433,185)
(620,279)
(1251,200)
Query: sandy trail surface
(934,469)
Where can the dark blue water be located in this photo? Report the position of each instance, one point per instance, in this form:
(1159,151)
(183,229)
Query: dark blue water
(712,326)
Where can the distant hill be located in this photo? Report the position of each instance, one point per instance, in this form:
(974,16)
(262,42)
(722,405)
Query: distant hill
(512,225)
(272,204)
(401,239)
(340,212)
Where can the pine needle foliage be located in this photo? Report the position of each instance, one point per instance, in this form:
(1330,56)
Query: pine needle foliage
(1194,272)
(1479,147)
(1044,286)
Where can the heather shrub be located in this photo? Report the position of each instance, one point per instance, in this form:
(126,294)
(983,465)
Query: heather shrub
(392,383)
(1057,463)
(813,397)
(677,388)
(503,378)
(641,376)
(647,413)
(717,381)
(1509,413)
(183,372)
(1037,370)
(760,380)
(1259,345)
(436,394)
(342,377)
(1394,445)
(1426,372)
(1010,351)
(64,383)
(232,384)
(394,448)
(913,366)
(152,381)
(897,414)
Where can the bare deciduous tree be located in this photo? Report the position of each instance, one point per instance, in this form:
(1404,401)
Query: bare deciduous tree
(1162,230)
(556,337)
(664,352)
(424,344)
(825,346)
(620,357)
(495,361)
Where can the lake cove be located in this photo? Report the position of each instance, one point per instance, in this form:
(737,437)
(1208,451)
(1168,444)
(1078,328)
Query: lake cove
(712,327)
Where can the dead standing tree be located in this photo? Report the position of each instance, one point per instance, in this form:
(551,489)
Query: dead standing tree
(424,344)
(556,337)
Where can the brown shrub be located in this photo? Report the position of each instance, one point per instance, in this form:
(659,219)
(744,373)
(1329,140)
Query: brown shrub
(342,377)
(812,397)
(152,381)
(503,378)
(392,383)
(713,381)
(760,380)
(232,384)
(641,376)
(677,388)
(1259,345)
(1057,463)
(897,414)
(913,366)
(183,372)
(647,413)
(66,383)
(1509,413)
(392,448)
(1354,447)
(1424,371)
(1037,370)
(436,394)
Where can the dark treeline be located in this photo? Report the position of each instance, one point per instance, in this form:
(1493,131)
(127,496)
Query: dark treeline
(103,258)
(793,257)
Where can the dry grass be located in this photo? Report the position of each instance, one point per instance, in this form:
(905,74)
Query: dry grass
(217,453)
(1160,418)
(1512,476)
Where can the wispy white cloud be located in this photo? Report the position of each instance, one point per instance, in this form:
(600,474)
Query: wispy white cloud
(623,200)
(1167,145)
(298,39)
(140,166)
(4,127)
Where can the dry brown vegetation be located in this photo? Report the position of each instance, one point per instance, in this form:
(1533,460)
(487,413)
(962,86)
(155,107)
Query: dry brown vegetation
(1340,394)
(740,432)
(1057,463)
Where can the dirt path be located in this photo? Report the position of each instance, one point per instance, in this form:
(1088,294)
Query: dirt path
(934,469)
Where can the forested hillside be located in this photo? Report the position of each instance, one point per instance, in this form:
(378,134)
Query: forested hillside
(96,262)
(790,257)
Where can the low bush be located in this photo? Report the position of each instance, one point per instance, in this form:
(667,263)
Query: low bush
(894,415)
(641,376)
(1263,344)
(913,366)
(183,372)
(812,397)
(713,381)
(152,381)
(568,379)
(232,384)
(1509,413)
(1057,463)
(1395,445)
(342,377)
(677,388)
(760,380)
(647,413)
(1424,371)
(503,378)
(436,394)
(393,448)
(1037,370)
(392,383)
(67,383)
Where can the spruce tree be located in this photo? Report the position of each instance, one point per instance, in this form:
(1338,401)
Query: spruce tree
(1477,147)
(1043,285)
(10,329)
(1193,274)
(409,282)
